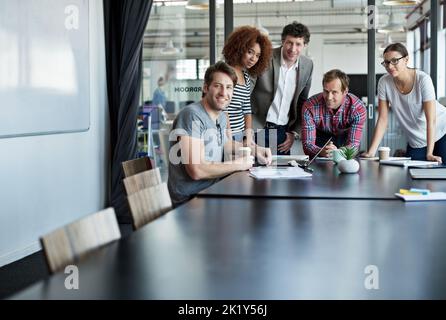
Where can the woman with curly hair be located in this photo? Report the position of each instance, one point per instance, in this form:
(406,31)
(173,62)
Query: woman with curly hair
(248,51)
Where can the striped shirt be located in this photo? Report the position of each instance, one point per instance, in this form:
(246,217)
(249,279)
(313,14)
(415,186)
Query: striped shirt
(348,120)
(240,105)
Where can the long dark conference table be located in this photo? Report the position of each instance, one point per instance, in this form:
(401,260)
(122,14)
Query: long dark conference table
(272,248)
(373,181)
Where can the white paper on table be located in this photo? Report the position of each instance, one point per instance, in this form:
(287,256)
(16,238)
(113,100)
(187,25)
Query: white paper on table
(390,158)
(279,173)
(409,163)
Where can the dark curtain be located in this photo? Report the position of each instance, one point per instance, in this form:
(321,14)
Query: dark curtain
(444,14)
(125,22)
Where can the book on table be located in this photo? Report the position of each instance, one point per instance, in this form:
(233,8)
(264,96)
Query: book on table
(433,196)
(428,173)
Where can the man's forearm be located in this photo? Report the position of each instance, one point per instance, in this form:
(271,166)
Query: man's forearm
(211,170)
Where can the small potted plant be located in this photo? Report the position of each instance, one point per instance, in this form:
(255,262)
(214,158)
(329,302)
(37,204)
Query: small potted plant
(349,165)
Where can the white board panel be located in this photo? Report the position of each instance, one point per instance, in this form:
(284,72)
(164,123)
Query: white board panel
(44,67)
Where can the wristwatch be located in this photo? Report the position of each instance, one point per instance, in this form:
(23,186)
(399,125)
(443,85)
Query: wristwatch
(296,135)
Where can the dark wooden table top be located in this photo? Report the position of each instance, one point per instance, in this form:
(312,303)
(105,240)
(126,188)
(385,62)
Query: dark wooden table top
(373,181)
(213,248)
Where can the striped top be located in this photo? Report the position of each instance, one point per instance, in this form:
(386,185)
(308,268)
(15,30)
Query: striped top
(240,105)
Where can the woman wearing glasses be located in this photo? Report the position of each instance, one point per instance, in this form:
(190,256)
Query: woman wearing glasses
(248,51)
(410,93)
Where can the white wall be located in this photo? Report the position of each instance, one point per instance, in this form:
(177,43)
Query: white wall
(50,180)
(352,59)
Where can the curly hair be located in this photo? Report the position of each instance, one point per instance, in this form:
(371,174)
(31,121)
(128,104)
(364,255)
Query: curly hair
(240,41)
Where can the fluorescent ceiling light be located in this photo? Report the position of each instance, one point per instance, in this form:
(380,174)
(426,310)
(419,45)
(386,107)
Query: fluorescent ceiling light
(197,4)
(401,2)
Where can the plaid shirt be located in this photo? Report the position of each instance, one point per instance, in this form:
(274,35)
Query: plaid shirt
(349,119)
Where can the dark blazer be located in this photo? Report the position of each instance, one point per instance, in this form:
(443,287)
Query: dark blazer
(265,87)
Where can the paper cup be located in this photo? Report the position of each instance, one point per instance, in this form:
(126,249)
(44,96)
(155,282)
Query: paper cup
(384,153)
(244,151)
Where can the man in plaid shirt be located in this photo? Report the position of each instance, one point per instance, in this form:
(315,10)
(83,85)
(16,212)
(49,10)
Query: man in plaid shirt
(334,113)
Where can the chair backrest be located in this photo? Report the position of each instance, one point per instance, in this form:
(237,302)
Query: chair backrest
(142,180)
(170,107)
(148,204)
(135,166)
(75,241)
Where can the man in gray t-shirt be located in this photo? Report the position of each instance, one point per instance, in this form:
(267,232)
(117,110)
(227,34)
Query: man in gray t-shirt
(199,142)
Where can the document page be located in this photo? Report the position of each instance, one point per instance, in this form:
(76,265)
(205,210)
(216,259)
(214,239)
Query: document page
(278,173)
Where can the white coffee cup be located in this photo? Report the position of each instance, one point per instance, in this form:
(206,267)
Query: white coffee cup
(244,152)
(384,153)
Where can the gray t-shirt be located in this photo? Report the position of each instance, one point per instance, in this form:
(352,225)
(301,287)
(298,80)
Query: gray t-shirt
(408,108)
(194,121)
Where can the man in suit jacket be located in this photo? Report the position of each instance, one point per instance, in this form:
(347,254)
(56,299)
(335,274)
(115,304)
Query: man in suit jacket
(280,92)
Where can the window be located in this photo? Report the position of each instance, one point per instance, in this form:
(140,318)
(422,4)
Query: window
(175,55)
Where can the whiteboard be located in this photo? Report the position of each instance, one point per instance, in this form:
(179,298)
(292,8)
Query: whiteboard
(44,67)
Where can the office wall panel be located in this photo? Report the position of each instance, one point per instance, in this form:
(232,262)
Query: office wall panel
(44,67)
(50,180)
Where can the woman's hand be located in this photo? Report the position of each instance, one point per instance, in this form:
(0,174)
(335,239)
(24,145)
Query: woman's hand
(431,157)
(366,155)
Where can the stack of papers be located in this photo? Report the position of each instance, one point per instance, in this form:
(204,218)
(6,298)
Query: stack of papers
(409,163)
(431,173)
(278,173)
(421,197)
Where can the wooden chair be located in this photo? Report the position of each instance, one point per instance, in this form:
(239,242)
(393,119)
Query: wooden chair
(135,166)
(148,204)
(142,180)
(75,241)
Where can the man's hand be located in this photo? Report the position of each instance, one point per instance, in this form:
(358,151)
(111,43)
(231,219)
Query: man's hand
(431,157)
(264,155)
(244,163)
(287,144)
(326,152)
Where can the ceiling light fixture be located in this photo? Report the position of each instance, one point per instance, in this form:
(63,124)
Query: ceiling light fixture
(261,28)
(401,2)
(391,26)
(386,42)
(197,4)
(169,49)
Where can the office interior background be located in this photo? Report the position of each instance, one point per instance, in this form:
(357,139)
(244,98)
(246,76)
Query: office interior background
(50,180)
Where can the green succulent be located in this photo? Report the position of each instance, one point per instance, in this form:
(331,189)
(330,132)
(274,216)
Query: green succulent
(349,152)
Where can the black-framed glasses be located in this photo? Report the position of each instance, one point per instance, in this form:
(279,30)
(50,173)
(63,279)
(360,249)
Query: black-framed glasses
(393,61)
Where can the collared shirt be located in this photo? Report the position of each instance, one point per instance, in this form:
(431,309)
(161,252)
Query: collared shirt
(348,120)
(286,87)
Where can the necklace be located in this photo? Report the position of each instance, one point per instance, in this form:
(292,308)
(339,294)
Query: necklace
(405,87)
